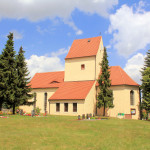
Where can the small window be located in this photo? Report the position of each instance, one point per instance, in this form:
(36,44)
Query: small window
(57,107)
(65,107)
(82,66)
(74,107)
(132,97)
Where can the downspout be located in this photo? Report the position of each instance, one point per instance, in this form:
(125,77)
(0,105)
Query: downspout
(96,100)
(49,107)
(140,103)
(95,84)
(95,68)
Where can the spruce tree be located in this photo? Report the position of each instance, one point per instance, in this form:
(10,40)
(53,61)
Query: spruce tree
(1,84)
(146,84)
(105,96)
(8,67)
(23,89)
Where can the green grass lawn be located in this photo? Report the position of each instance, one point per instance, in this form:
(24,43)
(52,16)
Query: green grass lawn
(63,132)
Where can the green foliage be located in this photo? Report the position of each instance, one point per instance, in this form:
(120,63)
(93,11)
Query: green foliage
(92,118)
(2,83)
(146,83)
(105,96)
(37,110)
(8,66)
(144,115)
(13,77)
(23,89)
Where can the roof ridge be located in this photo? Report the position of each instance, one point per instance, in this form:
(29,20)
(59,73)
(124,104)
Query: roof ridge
(49,72)
(114,66)
(88,38)
(80,81)
(122,75)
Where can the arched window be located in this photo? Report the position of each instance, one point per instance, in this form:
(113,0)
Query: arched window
(34,101)
(45,102)
(132,97)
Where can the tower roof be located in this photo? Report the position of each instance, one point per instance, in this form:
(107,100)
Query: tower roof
(84,47)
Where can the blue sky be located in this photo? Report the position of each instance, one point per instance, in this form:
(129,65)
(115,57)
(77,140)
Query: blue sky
(47,28)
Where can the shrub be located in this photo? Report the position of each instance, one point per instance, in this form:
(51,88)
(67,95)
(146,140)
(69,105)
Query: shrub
(1,113)
(92,117)
(17,110)
(104,117)
(144,115)
(9,113)
(37,110)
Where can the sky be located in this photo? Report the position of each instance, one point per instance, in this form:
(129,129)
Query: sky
(46,29)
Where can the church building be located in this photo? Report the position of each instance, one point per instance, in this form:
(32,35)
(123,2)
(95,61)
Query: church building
(74,91)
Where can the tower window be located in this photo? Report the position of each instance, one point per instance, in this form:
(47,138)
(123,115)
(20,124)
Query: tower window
(82,66)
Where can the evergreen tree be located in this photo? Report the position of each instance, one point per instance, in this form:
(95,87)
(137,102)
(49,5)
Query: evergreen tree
(105,96)
(23,89)
(1,84)
(146,84)
(8,67)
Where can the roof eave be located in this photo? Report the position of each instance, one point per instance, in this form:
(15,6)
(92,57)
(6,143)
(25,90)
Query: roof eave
(80,57)
(64,99)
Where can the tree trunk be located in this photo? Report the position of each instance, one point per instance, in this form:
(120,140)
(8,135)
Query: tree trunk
(13,108)
(104,110)
(0,106)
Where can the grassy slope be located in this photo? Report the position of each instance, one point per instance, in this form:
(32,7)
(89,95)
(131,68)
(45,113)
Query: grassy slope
(60,132)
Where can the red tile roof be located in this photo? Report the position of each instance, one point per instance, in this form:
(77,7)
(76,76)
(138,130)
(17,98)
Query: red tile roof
(47,80)
(72,90)
(119,77)
(84,47)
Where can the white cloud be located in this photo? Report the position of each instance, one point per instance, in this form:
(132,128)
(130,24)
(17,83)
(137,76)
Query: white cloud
(71,24)
(108,46)
(35,10)
(79,32)
(134,65)
(16,34)
(41,31)
(130,27)
(44,64)
(60,52)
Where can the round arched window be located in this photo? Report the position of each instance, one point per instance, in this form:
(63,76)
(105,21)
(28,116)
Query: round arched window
(132,97)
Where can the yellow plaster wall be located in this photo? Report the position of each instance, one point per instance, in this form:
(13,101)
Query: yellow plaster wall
(73,70)
(90,101)
(99,58)
(40,99)
(80,107)
(122,101)
(83,106)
